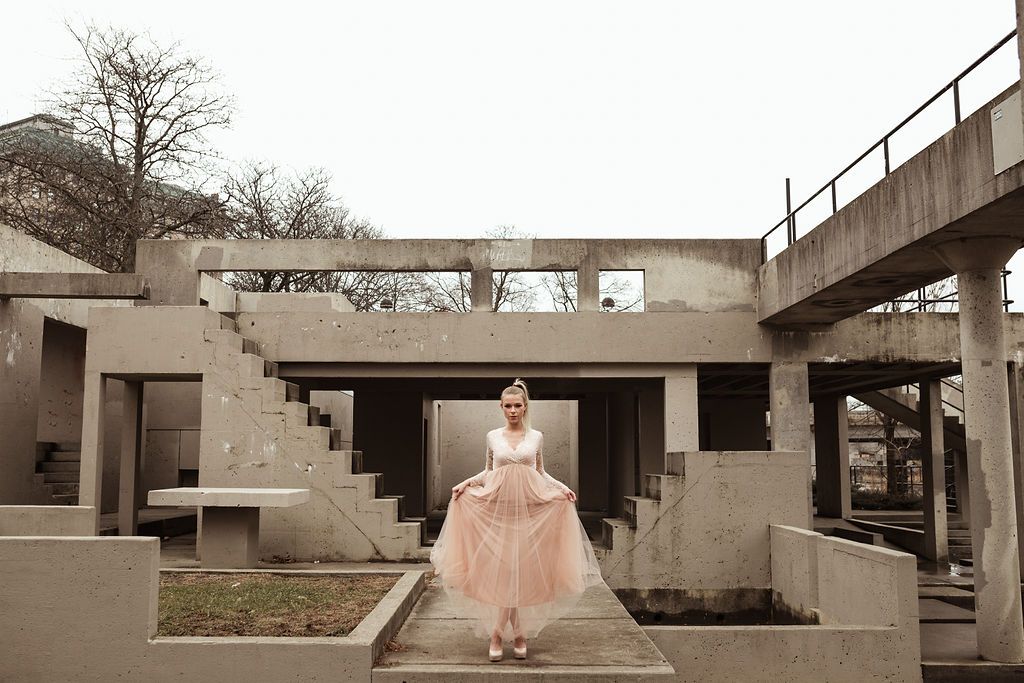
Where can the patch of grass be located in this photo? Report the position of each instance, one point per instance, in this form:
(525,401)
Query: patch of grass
(881,500)
(198,604)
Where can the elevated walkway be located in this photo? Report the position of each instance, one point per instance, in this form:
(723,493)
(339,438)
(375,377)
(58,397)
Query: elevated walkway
(597,641)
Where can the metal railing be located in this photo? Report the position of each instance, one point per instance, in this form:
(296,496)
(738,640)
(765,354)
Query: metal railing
(790,219)
(921,301)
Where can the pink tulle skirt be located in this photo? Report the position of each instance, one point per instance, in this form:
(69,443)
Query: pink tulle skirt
(515,542)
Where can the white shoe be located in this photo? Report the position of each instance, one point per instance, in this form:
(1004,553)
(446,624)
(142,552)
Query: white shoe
(519,652)
(495,655)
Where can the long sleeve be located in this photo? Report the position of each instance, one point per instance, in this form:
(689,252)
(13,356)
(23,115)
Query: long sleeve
(478,479)
(540,466)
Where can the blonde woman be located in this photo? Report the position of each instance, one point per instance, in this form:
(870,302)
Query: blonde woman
(512,552)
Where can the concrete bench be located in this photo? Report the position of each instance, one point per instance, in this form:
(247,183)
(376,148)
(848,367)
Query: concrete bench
(230,532)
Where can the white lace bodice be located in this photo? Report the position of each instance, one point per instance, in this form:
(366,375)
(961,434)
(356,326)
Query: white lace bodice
(529,451)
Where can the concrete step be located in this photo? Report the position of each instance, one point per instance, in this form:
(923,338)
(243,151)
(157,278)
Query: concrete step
(269,368)
(64,488)
(59,466)
(65,498)
(422,521)
(63,456)
(637,507)
(250,346)
(313,417)
(60,477)
(401,505)
(608,527)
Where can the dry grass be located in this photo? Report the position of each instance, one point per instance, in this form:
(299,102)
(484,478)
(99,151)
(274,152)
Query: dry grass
(197,604)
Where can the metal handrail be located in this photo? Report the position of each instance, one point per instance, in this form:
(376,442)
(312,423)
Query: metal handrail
(790,219)
(922,301)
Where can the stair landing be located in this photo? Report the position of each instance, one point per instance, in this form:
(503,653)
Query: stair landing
(597,641)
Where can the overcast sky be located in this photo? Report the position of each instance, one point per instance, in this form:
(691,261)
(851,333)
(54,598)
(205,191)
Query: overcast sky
(565,119)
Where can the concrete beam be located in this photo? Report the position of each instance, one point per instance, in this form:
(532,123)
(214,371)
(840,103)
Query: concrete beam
(877,247)
(73,286)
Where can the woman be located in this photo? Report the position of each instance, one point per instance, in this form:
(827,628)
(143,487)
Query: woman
(512,552)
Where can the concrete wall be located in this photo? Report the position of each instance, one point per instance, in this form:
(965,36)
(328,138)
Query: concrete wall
(388,429)
(104,592)
(733,424)
(61,383)
(463,425)
(707,537)
(46,520)
(173,421)
(339,405)
(864,596)
(22,325)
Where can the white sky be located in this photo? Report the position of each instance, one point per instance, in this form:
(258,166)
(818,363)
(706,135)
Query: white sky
(566,119)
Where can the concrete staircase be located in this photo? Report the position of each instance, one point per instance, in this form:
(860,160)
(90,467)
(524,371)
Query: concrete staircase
(58,467)
(903,404)
(640,512)
(256,432)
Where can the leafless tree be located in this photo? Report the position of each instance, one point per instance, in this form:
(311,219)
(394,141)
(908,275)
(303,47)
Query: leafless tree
(265,202)
(941,296)
(562,287)
(122,154)
(452,291)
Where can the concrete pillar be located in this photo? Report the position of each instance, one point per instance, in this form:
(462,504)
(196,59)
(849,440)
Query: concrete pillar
(231,537)
(977,263)
(788,398)
(1016,384)
(681,417)
(832,456)
(481,286)
(131,456)
(933,466)
(94,403)
(588,287)
(21,347)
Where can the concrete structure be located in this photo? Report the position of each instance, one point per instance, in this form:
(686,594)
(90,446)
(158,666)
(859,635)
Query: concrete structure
(659,417)
(231,519)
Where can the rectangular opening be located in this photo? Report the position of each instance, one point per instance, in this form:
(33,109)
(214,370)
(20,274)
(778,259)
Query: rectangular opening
(621,291)
(534,291)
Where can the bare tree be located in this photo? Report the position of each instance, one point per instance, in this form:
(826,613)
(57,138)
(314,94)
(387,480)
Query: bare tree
(122,154)
(940,297)
(265,202)
(620,292)
(452,291)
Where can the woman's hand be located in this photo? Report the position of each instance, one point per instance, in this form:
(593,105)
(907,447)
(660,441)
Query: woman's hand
(458,489)
(570,494)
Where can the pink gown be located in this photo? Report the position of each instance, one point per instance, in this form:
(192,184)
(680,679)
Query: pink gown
(512,539)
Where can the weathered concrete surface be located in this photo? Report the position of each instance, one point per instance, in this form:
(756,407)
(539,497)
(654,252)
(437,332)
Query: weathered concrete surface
(789,406)
(597,641)
(933,465)
(878,246)
(407,338)
(706,533)
(104,590)
(269,302)
(46,520)
(680,275)
(229,497)
(127,286)
(865,598)
(977,263)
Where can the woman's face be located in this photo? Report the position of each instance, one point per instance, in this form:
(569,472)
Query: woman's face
(514,408)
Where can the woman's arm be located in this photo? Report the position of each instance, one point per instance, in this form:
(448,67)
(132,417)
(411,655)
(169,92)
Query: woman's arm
(569,493)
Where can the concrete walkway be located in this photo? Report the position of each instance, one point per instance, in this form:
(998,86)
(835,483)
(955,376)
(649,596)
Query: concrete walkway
(598,641)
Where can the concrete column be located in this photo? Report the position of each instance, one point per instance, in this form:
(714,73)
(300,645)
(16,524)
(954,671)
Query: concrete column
(832,456)
(482,289)
(977,263)
(789,397)
(933,465)
(231,537)
(21,347)
(1016,384)
(94,404)
(681,418)
(588,287)
(131,456)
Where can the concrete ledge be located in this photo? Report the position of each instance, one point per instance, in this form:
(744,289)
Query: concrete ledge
(908,539)
(47,520)
(208,496)
(73,286)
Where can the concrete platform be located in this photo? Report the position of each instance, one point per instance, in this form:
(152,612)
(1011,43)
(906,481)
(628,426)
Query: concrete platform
(598,641)
(949,653)
(937,611)
(207,496)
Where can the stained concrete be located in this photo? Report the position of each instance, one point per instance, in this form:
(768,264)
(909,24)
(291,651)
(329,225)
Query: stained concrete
(597,641)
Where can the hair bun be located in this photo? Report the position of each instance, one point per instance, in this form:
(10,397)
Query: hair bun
(519,383)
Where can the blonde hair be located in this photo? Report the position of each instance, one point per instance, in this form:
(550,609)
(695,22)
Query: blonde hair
(518,388)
